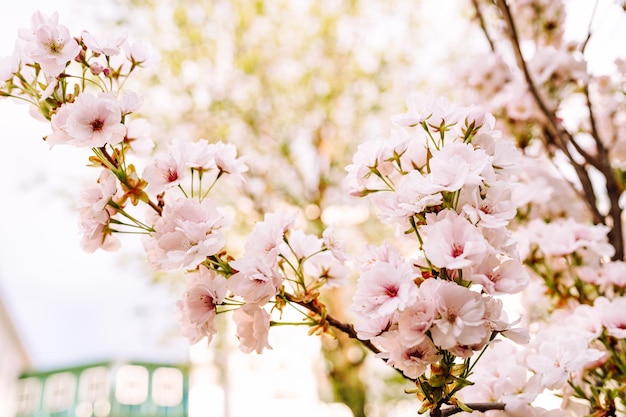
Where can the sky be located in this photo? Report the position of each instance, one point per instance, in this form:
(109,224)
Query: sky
(69,307)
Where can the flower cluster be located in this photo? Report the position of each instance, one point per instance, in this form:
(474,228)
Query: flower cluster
(443,179)
(446,179)
(566,115)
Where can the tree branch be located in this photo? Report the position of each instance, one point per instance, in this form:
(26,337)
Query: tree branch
(482,407)
(613,188)
(562,138)
(348,329)
(483,25)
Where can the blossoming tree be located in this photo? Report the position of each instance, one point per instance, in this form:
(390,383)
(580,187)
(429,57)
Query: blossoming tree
(449,179)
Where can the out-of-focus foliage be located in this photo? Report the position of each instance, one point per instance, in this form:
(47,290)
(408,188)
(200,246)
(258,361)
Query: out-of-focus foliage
(296,85)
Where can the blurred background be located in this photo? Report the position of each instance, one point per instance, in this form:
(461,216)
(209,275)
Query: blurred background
(296,85)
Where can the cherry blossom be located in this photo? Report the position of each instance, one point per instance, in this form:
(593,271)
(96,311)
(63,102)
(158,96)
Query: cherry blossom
(95,214)
(460,318)
(51,46)
(90,121)
(109,45)
(252,328)
(612,315)
(384,289)
(556,359)
(198,307)
(187,232)
(450,241)
(257,279)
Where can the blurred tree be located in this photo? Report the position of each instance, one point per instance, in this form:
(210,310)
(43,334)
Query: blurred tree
(296,86)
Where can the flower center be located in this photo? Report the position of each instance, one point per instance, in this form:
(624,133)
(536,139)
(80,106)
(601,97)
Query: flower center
(55,46)
(171,175)
(457,250)
(391,291)
(97,125)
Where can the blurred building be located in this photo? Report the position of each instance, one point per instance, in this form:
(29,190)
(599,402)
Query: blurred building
(120,389)
(13,360)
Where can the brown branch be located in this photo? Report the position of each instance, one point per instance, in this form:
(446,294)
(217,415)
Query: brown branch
(587,194)
(348,329)
(588,37)
(562,138)
(482,407)
(612,187)
(557,129)
(483,25)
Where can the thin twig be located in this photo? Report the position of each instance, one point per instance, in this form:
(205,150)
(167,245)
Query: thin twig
(588,37)
(483,25)
(348,329)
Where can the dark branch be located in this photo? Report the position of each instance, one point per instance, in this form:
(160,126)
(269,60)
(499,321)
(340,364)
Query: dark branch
(563,138)
(483,25)
(446,412)
(348,329)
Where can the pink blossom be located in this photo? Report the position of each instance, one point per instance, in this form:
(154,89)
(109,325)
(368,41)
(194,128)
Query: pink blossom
(369,328)
(500,277)
(96,234)
(458,164)
(130,102)
(336,247)
(451,242)
(612,315)
(368,159)
(108,44)
(384,289)
(460,315)
(90,121)
(326,268)
(413,360)
(9,65)
(95,198)
(50,45)
(431,109)
(267,236)
(95,214)
(197,309)
(613,273)
(37,20)
(448,174)
(505,157)
(558,355)
(383,253)
(411,196)
(502,377)
(164,172)
(415,321)
(224,157)
(186,234)
(585,320)
(257,279)
(563,237)
(410,147)
(301,245)
(253,325)
(140,53)
(489,207)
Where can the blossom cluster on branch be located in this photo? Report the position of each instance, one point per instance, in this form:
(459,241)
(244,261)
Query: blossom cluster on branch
(449,181)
